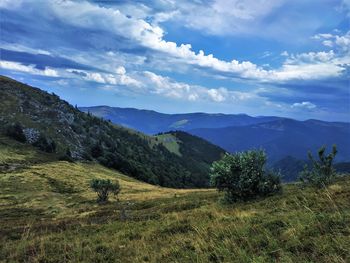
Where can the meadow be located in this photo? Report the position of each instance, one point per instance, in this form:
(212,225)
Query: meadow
(48,213)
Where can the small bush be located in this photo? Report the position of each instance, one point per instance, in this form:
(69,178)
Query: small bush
(242,176)
(96,150)
(15,131)
(67,156)
(45,144)
(103,188)
(321,173)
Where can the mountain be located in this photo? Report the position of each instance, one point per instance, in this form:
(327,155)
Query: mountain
(52,125)
(286,141)
(152,122)
(290,167)
(281,138)
(197,151)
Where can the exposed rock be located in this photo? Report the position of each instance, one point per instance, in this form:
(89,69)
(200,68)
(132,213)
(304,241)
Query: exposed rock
(32,135)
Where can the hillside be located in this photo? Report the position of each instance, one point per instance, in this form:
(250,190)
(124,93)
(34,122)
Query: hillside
(193,150)
(290,167)
(49,214)
(286,141)
(55,126)
(152,122)
(282,138)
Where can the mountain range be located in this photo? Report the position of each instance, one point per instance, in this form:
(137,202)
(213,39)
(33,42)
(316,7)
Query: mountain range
(174,150)
(152,122)
(279,136)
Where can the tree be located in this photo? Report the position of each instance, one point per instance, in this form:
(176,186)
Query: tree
(103,187)
(242,176)
(45,144)
(96,150)
(322,172)
(15,131)
(67,156)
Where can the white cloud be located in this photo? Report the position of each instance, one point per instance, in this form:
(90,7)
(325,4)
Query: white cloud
(343,41)
(119,78)
(304,105)
(332,40)
(311,57)
(87,15)
(9,65)
(304,66)
(120,70)
(218,95)
(21,48)
(167,87)
(327,43)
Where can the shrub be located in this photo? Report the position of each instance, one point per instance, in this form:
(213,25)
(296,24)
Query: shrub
(96,150)
(15,131)
(322,172)
(103,188)
(67,156)
(242,176)
(45,144)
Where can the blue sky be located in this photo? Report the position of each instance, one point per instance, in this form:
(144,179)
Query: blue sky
(276,57)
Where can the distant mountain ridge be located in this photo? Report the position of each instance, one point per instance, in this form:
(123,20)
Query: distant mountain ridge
(280,137)
(152,122)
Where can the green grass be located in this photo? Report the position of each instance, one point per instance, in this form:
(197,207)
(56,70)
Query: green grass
(14,155)
(170,142)
(49,214)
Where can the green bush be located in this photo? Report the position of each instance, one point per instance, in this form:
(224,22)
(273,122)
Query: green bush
(242,176)
(67,156)
(45,144)
(103,188)
(322,172)
(15,131)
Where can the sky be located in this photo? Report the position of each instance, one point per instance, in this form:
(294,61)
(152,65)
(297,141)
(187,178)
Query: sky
(258,57)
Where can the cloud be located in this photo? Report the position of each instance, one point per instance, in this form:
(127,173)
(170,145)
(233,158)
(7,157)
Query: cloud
(87,15)
(304,105)
(331,40)
(218,95)
(9,65)
(21,48)
(10,4)
(139,32)
(113,44)
(167,87)
(119,78)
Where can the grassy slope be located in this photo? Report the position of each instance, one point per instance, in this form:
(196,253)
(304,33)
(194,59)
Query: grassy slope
(170,142)
(48,214)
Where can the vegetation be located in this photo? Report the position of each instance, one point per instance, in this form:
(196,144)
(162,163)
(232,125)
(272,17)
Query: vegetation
(46,145)
(322,172)
(15,131)
(198,154)
(60,125)
(242,176)
(49,214)
(103,187)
